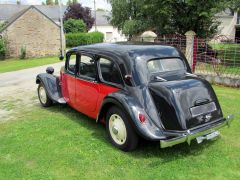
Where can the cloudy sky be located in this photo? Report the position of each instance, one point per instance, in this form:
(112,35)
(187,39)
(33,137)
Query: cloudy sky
(99,3)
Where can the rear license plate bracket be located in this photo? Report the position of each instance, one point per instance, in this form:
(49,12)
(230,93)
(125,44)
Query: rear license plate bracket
(212,135)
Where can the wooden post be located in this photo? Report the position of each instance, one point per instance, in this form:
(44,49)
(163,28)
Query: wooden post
(190,47)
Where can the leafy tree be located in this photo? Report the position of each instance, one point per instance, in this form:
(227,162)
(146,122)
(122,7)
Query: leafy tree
(132,27)
(56,2)
(74,1)
(233,4)
(77,11)
(49,2)
(74,26)
(167,16)
(196,15)
(69,2)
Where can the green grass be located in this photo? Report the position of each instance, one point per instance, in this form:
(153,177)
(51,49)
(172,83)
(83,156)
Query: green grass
(219,46)
(60,143)
(18,64)
(228,53)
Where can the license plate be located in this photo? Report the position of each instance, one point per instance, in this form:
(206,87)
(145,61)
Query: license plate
(208,136)
(203,109)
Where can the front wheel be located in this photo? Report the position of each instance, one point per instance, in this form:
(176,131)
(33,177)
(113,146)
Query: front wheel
(120,130)
(43,97)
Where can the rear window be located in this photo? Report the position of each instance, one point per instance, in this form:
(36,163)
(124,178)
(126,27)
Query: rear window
(164,65)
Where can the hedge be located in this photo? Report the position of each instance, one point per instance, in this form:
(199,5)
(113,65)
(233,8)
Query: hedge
(77,39)
(74,26)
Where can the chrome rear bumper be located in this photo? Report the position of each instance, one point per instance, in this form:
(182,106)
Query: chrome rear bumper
(191,135)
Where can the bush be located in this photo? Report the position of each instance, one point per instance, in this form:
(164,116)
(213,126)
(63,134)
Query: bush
(3,49)
(77,39)
(23,53)
(74,26)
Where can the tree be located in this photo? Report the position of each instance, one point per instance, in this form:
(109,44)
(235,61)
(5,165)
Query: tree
(18,2)
(49,2)
(74,26)
(74,1)
(56,2)
(167,16)
(69,2)
(76,11)
(233,4)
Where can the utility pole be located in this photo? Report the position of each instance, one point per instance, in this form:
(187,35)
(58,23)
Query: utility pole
(95,15)
(61,29)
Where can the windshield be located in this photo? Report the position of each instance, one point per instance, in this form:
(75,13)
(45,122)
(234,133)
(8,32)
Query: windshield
(165,65)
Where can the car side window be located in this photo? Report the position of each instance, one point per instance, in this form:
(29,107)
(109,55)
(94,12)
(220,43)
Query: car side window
(109,71)
(71,65)
(87,67)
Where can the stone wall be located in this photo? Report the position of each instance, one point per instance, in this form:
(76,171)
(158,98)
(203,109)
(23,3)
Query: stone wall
(225,81)
(35,32)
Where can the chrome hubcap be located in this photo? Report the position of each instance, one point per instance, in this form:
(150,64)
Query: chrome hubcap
(42,95)
(117,129)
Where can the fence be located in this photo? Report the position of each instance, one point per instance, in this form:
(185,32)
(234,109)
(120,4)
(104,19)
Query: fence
(218,57)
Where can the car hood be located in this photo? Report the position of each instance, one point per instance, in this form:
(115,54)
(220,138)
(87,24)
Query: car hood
(185,103)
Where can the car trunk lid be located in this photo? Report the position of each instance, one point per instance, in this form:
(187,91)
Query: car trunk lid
(185,103)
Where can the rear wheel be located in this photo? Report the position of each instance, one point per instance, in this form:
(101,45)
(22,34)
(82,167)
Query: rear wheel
(120,131)
(43,97)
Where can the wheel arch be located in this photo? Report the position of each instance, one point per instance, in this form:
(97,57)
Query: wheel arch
(114,101)
(106,105)
(38,80)
(51,85)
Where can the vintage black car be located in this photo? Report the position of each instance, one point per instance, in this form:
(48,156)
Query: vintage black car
(137,90)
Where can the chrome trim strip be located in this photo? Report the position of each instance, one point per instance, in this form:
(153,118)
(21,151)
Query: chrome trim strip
(190,135)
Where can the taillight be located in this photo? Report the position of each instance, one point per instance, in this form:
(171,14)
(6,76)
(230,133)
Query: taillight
(141,117)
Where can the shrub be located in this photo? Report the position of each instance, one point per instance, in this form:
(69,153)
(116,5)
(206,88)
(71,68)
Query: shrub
(77,39)
(3,49)
(74,26)
(23,53)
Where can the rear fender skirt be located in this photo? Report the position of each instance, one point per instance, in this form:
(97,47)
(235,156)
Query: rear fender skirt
(147,130)
(52,86)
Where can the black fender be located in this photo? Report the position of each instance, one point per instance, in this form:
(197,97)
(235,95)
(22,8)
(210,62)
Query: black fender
(148,130)
(52,86)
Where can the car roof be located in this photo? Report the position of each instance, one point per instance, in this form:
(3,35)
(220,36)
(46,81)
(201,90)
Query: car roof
(130,47)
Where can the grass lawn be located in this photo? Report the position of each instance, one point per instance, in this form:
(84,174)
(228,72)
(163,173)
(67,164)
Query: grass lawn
(60,143)
(228,53)
(18,64)
(225,46)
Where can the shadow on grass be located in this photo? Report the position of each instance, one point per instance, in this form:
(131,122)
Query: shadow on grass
(145,149)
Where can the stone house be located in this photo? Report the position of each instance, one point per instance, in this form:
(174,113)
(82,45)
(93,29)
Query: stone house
(34,31)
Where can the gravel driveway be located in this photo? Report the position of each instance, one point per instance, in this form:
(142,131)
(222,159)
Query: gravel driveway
(18,88)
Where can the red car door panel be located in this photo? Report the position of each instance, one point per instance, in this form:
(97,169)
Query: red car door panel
(104,90)
(68,88)
(87,93)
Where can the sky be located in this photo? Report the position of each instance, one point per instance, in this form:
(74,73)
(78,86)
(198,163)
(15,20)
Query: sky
(89,3)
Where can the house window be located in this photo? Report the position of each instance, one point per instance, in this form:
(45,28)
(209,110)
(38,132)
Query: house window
(109,36)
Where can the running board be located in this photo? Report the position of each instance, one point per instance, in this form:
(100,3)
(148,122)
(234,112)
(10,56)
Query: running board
(61,101)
